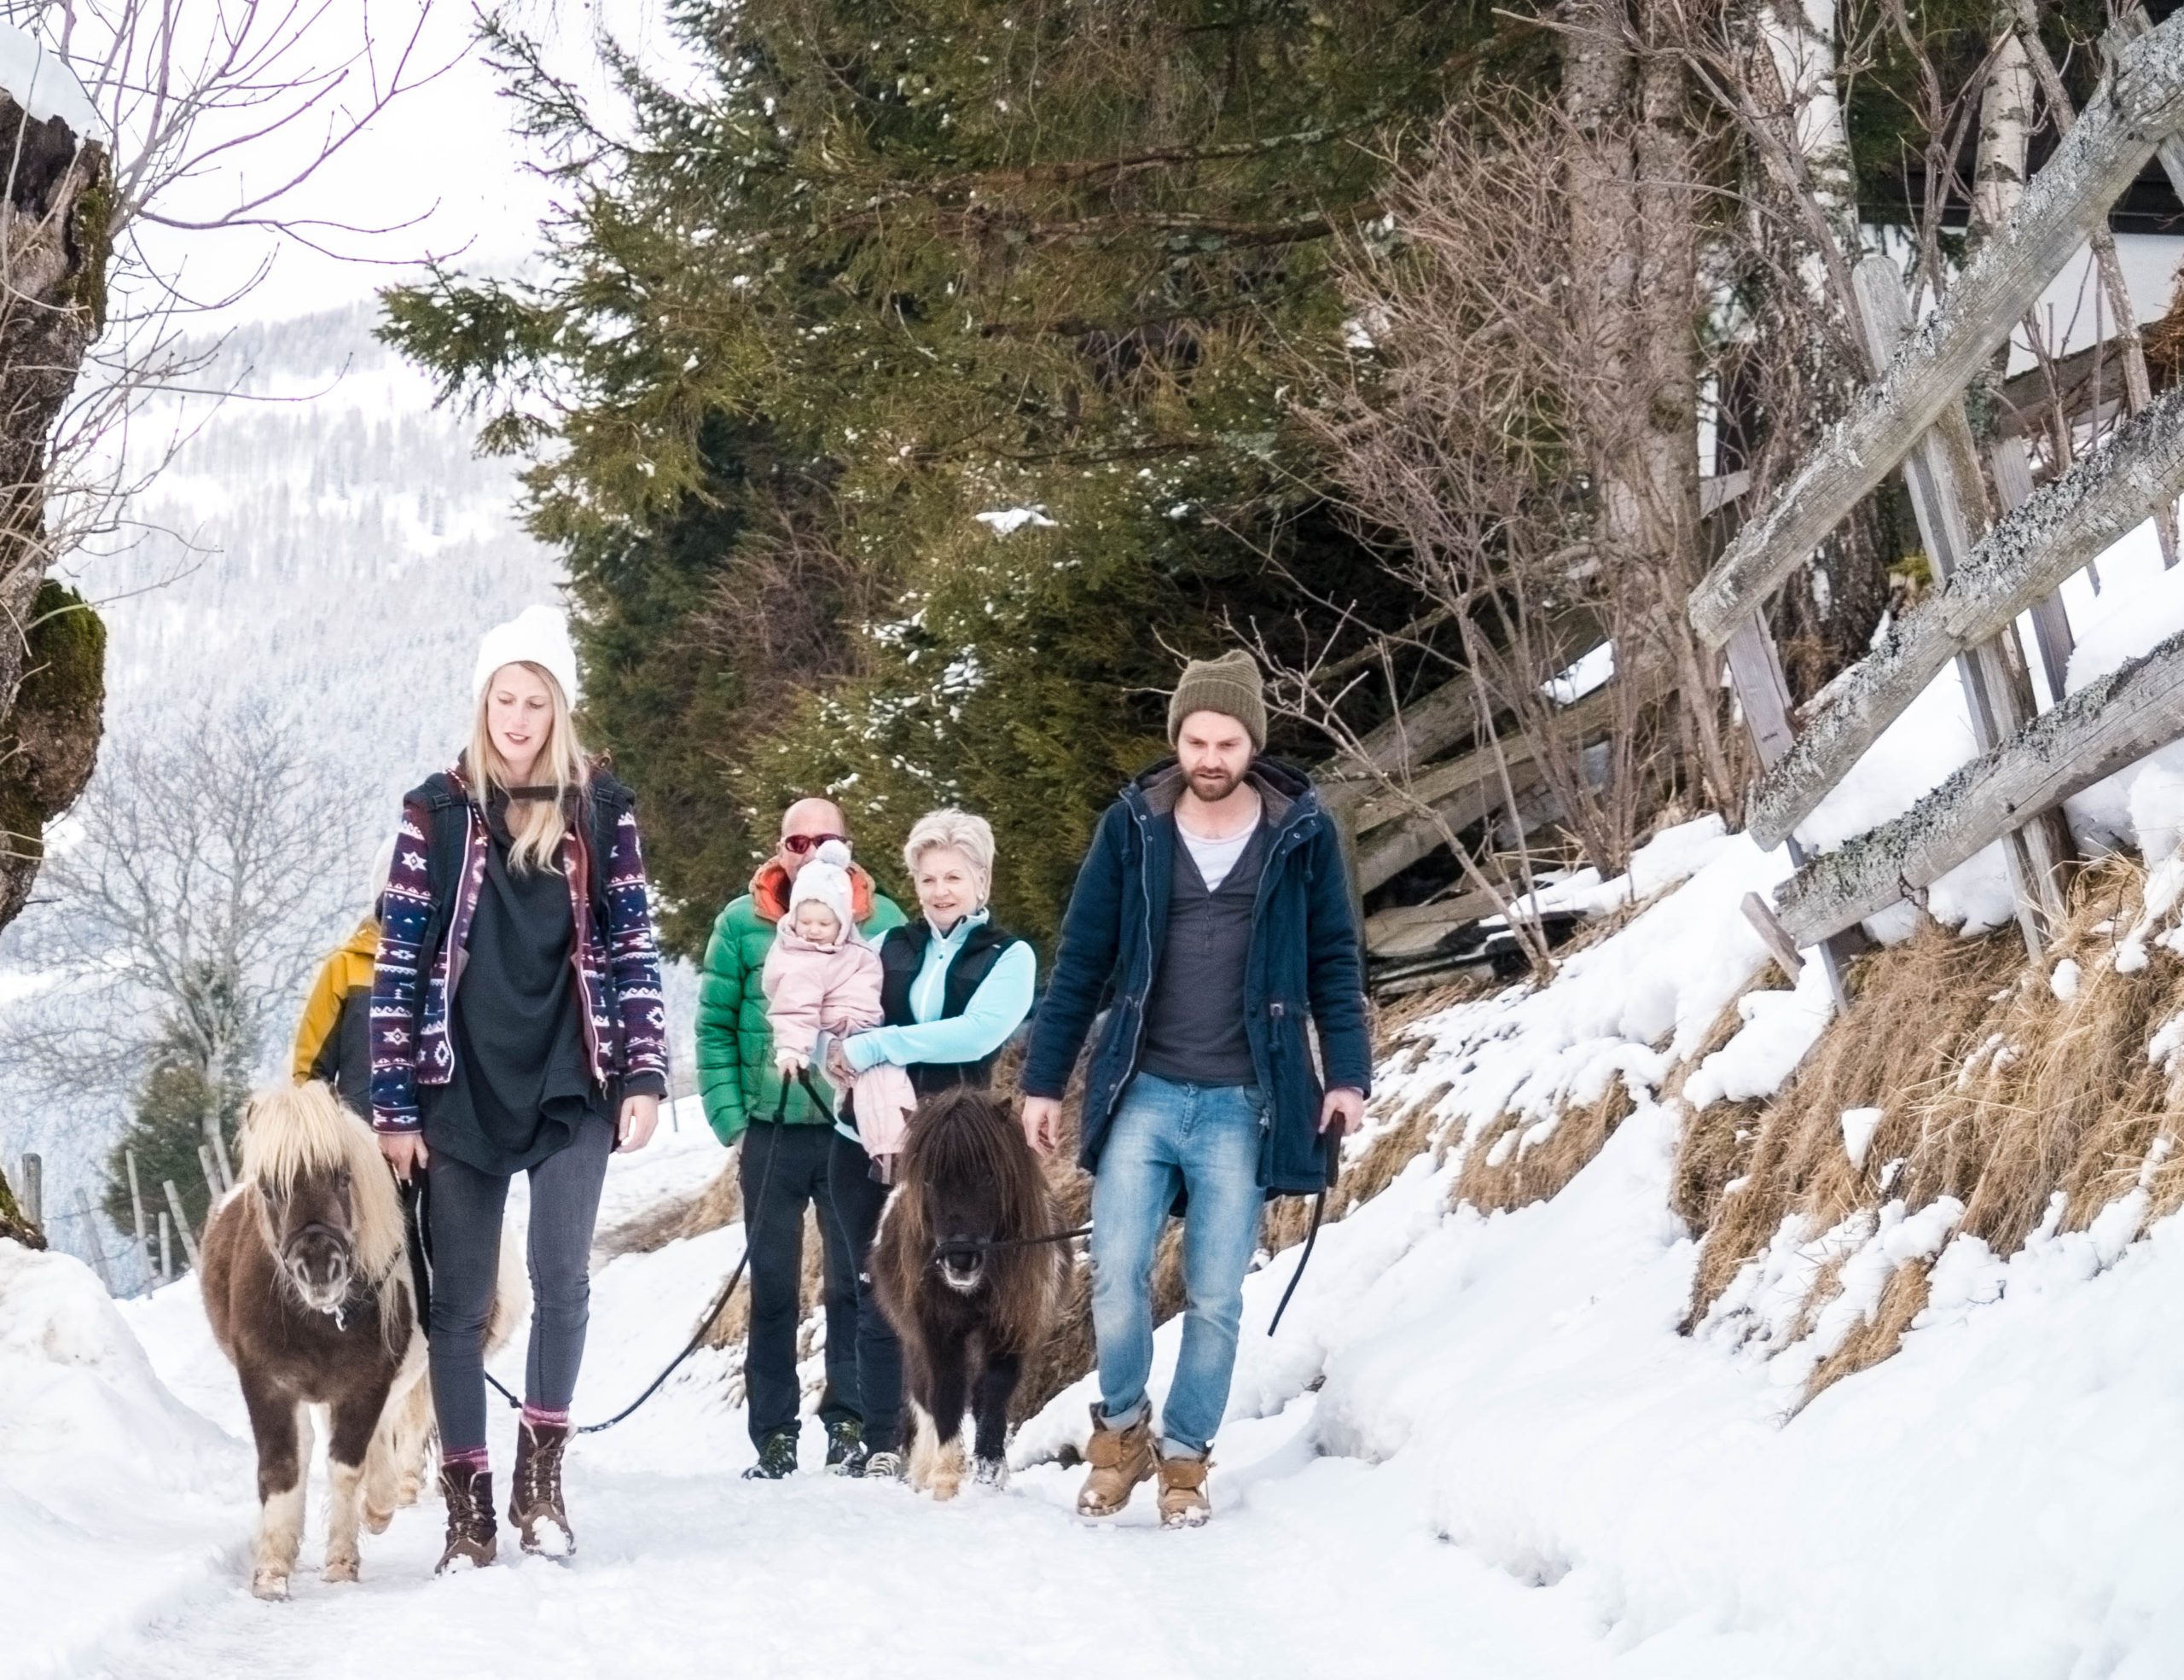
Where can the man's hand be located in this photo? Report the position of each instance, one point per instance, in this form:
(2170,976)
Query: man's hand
(839,1071)
(640,1115)
(1042,1124)
(405,1152)
(1343,1111)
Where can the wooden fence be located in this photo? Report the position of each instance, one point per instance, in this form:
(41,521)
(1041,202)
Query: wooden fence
(1912,419)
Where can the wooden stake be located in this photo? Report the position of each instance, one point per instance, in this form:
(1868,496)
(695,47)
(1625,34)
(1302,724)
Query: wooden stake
(136,1211)
(30,1189)
(91,1235)
(166,1248)
(181,1224)
(1755,673)
(1950,508)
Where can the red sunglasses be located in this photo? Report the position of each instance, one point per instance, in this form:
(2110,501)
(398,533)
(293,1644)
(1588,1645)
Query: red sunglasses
(800,844)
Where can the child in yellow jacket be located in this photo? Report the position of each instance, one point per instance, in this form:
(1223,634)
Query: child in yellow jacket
(334,1038)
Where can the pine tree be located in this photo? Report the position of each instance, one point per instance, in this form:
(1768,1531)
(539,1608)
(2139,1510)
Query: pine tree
(889,269)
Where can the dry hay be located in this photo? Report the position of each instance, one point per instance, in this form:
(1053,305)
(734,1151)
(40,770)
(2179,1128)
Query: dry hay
(719,1203)
(1995,1091)
(1518,1160)
(1716,1146)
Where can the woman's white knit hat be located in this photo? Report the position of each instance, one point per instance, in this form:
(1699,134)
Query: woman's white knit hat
(825,876)
(537,636)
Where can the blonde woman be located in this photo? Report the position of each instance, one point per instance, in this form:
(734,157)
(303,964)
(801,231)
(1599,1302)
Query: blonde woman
(516,1026)
(953,988)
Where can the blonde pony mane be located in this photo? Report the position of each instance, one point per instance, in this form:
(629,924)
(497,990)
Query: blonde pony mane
(288,1130)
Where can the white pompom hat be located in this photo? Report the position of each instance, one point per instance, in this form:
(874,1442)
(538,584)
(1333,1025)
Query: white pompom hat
(537,636)
(826,877)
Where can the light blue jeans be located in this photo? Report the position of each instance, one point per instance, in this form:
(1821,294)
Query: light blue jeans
(1205,1140)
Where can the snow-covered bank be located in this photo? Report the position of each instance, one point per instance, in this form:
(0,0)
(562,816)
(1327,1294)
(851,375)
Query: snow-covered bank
(115,1498)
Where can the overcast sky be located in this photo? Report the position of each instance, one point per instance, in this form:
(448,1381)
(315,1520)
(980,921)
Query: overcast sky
(441,155)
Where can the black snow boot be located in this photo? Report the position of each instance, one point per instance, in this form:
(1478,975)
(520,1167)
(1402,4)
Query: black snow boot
(471,1531)
(776,1457)
(535,1489)
(845,1447)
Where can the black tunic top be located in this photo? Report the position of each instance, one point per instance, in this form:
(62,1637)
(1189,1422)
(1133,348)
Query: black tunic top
(522,1084)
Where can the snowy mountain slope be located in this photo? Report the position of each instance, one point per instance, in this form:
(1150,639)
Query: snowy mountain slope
(324,541)
(324,538)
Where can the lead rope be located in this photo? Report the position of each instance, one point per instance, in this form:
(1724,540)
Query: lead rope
(1319,1207)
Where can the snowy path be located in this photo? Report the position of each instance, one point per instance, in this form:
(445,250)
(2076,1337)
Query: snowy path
(1314,1564)
(690,1570)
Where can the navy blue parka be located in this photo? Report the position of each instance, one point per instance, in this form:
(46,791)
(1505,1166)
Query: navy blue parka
(1304,960)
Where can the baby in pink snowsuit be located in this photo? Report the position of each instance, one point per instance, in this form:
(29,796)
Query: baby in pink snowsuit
(820,977)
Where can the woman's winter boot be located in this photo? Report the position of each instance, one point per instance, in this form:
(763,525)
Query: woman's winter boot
(535,1489)
(1183,1503)
(1120,1460)
(471,1531)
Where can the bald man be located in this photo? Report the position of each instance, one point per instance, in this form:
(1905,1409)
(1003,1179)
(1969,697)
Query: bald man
(782,1163)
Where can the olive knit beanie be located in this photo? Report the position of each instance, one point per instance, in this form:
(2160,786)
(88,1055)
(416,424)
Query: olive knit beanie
(1228,685)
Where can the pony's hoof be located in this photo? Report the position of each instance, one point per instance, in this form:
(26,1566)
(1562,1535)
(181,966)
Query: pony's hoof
(992,1473)
(339,1570)
(378,1521)
(271,1584)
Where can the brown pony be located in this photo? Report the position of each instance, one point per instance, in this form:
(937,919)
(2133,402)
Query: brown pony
(957,1283)
(305,1270)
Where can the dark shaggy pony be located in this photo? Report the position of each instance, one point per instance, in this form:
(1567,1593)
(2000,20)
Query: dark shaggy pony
(968,1182)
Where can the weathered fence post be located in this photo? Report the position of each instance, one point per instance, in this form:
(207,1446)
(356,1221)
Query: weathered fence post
(137,1211)
(1756,674)
(211,1169)
(220,1156)
(1939,471)
(30,1192)
(166,1248)
(2051,625)
(91,1235)
(181,1222)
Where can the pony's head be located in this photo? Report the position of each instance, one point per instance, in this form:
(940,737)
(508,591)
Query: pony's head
(969,1179)
(327,1204)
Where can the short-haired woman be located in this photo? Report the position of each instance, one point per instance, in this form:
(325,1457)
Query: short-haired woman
(954,987)
(516,1026)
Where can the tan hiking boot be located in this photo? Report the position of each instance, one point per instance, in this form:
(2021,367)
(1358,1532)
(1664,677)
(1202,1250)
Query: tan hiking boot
(1120,1460)
(1183,1503)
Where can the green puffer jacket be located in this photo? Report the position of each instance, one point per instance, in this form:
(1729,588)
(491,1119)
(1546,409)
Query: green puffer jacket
(735,1047)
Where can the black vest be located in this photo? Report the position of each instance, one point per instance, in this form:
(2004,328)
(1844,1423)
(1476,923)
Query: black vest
(901,956)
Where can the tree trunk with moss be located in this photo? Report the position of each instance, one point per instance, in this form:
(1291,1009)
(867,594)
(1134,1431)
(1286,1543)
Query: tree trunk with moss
(53,220)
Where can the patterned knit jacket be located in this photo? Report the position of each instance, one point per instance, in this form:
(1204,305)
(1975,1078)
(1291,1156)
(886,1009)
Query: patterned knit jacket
(617,967)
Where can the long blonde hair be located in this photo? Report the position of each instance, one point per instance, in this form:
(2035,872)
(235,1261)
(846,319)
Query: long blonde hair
(536,825)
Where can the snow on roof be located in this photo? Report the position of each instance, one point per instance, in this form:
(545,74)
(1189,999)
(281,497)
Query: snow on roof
(42,82)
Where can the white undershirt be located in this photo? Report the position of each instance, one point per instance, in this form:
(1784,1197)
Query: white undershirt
(1215,857)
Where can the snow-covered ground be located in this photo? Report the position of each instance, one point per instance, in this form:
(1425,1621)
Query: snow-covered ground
(1478,1445)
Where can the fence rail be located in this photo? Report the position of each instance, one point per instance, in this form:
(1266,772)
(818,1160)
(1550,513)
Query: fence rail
(2140,105)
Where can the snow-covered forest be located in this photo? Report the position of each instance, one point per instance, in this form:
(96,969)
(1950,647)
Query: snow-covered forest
(1702,484)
